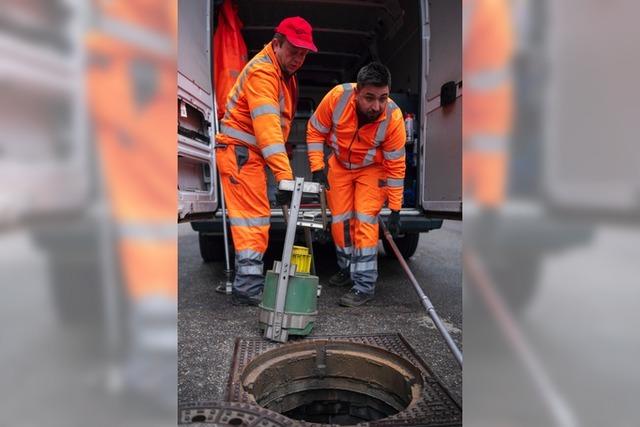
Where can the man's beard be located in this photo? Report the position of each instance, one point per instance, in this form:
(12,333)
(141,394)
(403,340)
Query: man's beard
(365,118)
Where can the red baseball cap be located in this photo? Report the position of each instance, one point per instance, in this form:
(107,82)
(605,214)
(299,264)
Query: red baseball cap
(298,32)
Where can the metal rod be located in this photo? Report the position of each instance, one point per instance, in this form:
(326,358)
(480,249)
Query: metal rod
(481,280)
(275,331)
(424,299)
(307,235)
(228,270)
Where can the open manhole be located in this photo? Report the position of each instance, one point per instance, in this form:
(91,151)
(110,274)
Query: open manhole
(343,380)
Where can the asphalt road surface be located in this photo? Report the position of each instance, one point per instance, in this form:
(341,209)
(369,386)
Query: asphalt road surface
(208,324)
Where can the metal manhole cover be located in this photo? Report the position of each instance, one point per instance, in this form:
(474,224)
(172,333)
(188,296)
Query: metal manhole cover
(230,414)
(432,406)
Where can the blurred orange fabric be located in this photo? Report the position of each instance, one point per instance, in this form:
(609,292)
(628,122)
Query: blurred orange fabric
(131,90)
(488,98)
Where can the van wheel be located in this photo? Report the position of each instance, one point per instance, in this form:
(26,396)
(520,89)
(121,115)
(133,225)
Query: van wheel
(406,244)
(212,248)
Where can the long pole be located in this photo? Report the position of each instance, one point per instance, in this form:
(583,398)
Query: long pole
(227,271)
(424,299)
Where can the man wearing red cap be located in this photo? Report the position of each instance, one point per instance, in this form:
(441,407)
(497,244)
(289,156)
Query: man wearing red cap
(253,131)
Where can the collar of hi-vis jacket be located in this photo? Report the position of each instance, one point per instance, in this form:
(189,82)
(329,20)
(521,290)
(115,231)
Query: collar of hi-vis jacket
(230,127)
(381,126)
(291,80)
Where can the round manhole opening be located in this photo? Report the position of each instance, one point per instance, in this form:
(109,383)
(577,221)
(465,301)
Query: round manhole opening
(332,382)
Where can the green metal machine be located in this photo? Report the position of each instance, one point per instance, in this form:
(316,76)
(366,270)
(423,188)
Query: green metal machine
(289,299)
(300,309)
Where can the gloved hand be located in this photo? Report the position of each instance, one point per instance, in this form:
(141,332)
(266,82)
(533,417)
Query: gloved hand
(283,197)
(321,177)
(393,223)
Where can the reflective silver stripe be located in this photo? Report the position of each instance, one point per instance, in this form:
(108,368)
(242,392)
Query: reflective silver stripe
(352,166)
(334,144)
(315,146)
(146,39)
(316,124)
(249,254)
(373,250)
(381,132)
(365,255)
(238,134)
(344,256)
(273,149)
(368,158)
(283,122)
(233,99)
(488,143)
(249,269)
(337,113)
(250,222)
(394,182)
(393,155)
(342,103)
(364,266)
(342,217)
(366,218)
(346,251)
(468,9)
(264,109)
(148,231)
(488,79)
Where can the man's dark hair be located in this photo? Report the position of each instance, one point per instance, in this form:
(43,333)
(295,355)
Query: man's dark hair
(280,37)
(375,74)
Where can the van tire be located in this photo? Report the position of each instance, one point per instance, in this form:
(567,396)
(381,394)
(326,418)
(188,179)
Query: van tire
(406,244)
(212,248)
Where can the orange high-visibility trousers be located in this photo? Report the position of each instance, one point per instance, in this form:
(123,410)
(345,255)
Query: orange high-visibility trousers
(355,198)
(244,183)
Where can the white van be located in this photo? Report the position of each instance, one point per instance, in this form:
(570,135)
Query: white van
(419,41)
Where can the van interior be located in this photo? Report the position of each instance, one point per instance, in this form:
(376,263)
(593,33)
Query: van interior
(349,35)
(419,41)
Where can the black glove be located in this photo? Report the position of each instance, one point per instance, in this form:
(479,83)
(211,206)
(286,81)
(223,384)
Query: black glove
(393,223)
(321,177)
(283,197)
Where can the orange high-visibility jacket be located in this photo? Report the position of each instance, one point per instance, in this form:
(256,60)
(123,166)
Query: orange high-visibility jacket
(488,106)
(260,108)
(488,84)
(382,141)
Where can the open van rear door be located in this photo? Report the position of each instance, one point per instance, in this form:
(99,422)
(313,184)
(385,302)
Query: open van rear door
(441,104)
(197,188)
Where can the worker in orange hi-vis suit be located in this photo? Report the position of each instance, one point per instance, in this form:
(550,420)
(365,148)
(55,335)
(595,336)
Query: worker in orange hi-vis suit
(365,130)
(488,99)
(253,132)
(131,80)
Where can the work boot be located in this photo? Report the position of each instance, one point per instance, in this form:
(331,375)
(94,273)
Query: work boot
(341,278)
(241,299)
(355,298)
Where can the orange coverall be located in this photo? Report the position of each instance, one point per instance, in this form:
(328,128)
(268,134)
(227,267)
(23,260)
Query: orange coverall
(366,167)
(252,135)
(131,75)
